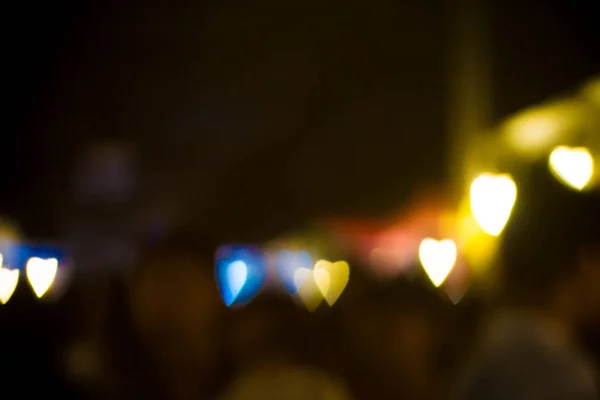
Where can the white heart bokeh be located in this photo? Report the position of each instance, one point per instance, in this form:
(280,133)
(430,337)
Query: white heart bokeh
(492,199)
(41,273)
(8,283)
(572,166)
(438,258)
(237,274)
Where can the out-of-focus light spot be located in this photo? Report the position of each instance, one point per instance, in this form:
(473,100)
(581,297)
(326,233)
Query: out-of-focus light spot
(331,278)
(10,247)
(41,274)
(240,273)
(492,198)
(592,91)
(237,273)
(389,263)
(535,130)
(437,258)
(300,276)
(323,281)
(456,294)
(63,274)
(572,166)
(306,289)
(479,251)
(8,282)
(8,231)
(477,247)
(458,281)
(287,263)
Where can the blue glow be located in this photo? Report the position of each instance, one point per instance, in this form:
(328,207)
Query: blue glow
(286,264)
(237,275)
(11,253)
(240,273)
(16,254)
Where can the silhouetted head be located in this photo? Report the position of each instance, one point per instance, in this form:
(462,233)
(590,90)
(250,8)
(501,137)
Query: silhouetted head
(269,328)
(176,307)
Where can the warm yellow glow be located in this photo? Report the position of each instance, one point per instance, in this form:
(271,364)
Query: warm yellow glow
(592,90)
(8,283)
(480,252)
(492,198)
(477,247)
(535,130)
(437,258)
(41,274)
(307,291)
(331,278)
(572,166)
(323,280)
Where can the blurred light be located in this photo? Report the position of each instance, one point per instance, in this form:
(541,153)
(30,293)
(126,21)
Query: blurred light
(492,198)
(458,280)
(8,231)
(592,91)
(240,273)
(477,247)
(64,270)
(106,174)
(456,293)
(331,278)
(391,262)
(41,274)
(287,263)
(323,280)
(535,130)
(437,258)
(8,282)
(237,273)
(572,166)
(306,288)
(300,276)
(10,248)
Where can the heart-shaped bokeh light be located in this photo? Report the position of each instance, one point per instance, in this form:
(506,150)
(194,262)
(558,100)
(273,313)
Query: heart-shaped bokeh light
(437,258)
(331,278)
(41,273)
(237,274)
(457,281)
(287,263)
(306,288)
(492,198)
(240,273)
(572,166)
(8,282)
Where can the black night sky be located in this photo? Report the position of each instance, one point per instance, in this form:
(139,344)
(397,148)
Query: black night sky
(257,96)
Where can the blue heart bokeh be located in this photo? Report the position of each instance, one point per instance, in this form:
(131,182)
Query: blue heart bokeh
(240,273)
(286,264)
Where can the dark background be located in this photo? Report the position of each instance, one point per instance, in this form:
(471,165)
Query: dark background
(337,106)
(250,117)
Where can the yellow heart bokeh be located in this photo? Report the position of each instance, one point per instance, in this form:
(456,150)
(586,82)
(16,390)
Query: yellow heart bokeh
(438,258)
(572,166)
(307,290)
(8,283)
(41,273)
(331,278)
